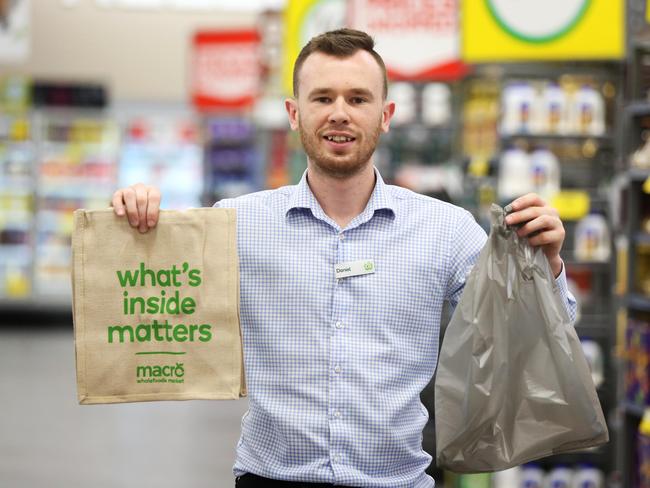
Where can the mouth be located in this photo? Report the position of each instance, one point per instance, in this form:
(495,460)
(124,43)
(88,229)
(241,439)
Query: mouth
(339,140)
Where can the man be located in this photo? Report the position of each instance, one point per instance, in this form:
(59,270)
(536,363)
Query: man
(342,284)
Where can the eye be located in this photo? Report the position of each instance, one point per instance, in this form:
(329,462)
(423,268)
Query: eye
(357,100)
(322,99)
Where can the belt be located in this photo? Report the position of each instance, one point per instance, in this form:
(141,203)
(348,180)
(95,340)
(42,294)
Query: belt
(250,480)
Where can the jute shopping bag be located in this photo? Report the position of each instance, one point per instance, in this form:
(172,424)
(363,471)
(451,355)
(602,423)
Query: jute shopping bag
(156,315)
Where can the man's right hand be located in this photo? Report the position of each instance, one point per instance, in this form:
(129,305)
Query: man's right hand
(140,203)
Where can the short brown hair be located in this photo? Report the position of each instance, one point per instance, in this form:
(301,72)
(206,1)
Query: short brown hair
(341,43)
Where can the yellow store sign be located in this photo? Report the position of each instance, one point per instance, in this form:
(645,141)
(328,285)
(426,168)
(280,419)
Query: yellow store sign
(533,30)
(304,19)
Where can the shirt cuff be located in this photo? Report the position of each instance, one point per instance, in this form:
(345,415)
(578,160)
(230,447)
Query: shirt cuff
(567,297)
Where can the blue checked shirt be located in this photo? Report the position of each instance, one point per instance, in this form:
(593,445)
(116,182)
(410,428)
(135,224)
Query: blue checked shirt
(335,367)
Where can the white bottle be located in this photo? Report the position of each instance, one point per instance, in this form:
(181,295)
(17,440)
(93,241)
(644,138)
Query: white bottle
(588,477)
(436,104)
(403,94)
(592,241)
(589,112)
(559,477)
(515,175)
(546,173)
(594,356)
(532,476)
(553,110)
(519,105)
(509,478)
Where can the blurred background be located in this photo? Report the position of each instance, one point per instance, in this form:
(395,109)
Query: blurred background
(495,98)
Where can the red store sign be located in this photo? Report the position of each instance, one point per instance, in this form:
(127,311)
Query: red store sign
(225,72)
(418,39)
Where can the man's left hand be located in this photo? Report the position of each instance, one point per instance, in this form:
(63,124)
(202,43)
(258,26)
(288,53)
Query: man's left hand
(543,220)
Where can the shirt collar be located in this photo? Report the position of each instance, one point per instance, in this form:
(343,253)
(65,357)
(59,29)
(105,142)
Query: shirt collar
(380,199)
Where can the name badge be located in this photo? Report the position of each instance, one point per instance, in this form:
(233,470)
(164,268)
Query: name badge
(354,268)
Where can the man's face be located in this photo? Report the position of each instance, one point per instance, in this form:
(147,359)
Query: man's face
(340,111)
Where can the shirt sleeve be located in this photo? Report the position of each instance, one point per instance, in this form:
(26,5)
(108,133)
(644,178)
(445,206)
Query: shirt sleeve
(567,297)
(465,246)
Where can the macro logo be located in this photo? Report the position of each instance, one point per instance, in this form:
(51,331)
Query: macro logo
(168,373)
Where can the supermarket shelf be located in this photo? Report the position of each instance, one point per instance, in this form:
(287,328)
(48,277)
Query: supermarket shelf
(638,174)
(595,265)
(641,43)
(597,456)
(633,409)
(638,108)
(591,331)
(602,140)
(639,302)
(17,185)
(36,304)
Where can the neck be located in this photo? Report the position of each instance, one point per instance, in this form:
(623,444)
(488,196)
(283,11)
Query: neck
(342,199)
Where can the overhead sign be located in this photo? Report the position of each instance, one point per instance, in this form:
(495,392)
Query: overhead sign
(14,31)
(418,40)
(225,72)
(530,30)
(191,5)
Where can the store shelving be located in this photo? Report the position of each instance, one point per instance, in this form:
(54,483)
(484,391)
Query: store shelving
(77,161)
(586,165)
(17,189)
(232,160)
(635,299)
(161,145)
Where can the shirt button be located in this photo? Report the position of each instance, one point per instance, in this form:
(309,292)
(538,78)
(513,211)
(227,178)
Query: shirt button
(337,414)
(339,325)
(341,236)
(337,370)
(337,458)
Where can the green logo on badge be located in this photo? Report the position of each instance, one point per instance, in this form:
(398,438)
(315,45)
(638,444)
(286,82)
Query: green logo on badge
(368,266)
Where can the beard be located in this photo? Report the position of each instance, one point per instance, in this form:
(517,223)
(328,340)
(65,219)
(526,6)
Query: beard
(344,164)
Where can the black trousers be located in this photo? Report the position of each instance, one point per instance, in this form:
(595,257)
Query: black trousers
(254,481)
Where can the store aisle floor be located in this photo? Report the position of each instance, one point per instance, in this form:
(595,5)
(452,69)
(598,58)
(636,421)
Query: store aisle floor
(48,440)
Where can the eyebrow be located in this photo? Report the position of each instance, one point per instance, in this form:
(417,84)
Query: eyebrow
(354,91)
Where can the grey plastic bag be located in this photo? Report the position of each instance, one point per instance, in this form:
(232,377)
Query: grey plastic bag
(512,383)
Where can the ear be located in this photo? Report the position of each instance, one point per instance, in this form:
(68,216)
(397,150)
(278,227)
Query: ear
(387,114)
(291,105)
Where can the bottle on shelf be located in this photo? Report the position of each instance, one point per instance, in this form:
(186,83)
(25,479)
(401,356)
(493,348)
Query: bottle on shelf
(546,173)
(508,478)
(588,476)
(554,110)
(594,355)
(592,239)
(532,476)
(559,477)
(515,174)
(643,446)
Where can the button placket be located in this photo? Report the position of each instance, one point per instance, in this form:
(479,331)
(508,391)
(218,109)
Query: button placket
(336,354)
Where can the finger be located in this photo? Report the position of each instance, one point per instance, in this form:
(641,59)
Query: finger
(546,238)
(153,208)
(528,200)
(141,198)
(118,203)
(529,213)
(131,206)
(524,215)
(541,223)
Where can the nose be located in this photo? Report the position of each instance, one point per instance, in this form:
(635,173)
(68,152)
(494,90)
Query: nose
(339,113)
